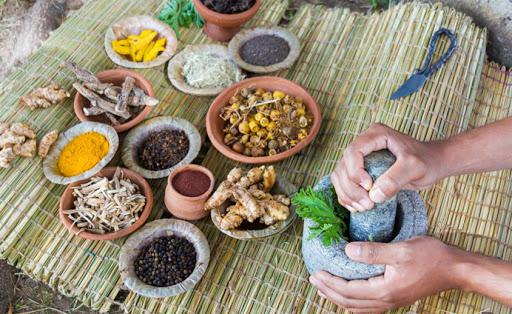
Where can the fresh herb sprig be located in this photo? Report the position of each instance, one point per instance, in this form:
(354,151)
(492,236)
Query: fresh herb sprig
(323,209)
(180,13)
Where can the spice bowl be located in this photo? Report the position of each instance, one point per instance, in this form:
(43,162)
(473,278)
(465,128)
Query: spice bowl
(215,124)
(116,77)
(50,163)
(135,25)
(153,230)
(67,202)
(187,189)
(238,43)
(152,140)
(178,62)
(257,230)
(223,27)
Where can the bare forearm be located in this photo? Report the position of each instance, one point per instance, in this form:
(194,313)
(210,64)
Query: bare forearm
(483,149)
(484,275)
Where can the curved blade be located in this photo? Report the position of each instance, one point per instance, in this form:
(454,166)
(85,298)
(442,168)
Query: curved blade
(412,85)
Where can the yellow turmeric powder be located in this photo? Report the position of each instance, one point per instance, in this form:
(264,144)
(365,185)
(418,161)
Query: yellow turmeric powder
(82,153)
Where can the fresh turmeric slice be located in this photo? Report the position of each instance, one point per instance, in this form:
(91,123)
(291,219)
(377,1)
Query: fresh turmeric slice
(144,47)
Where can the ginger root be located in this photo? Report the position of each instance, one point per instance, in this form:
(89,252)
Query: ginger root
(252,201)
(23,130)
(6,156)
(46,143)
(16,139)
(26,149)
(44,97)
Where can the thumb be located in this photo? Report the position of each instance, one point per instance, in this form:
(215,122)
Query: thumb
(371,253)
(392,181)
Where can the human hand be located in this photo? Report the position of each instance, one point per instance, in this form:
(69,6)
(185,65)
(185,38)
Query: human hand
(415,269)
(418,165)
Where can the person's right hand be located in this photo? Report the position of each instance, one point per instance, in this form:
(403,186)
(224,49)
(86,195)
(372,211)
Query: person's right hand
(418,165)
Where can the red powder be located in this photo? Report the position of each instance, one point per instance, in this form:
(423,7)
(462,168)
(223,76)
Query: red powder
(191,183)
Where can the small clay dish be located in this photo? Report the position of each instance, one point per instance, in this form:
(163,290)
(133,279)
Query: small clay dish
(257,230)
(50,168)
(175,68)
(67,199)
(116,77)
(215,125)
(150,232)
(137,135)
(241,38)
(183,206)
(223,27)
(134,25)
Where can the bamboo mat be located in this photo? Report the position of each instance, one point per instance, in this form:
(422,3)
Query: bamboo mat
(351,64)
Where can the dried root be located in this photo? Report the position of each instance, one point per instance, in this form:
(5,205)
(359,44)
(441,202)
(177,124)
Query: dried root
(15,140)
(45,97)
(252,201)
(46,143)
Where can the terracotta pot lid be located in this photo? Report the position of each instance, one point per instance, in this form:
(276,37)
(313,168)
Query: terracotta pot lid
(175,68)
(135,25)
(245,35)
(137,135)
(282,186)
(151,231)
(50,168)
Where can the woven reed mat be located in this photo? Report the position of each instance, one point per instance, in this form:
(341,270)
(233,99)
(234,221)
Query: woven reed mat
(351,64)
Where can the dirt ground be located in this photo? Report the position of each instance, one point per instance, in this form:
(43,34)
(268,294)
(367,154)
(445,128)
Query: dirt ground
(24,24)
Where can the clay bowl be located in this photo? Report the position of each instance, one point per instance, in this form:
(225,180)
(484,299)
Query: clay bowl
(67,199)
(144,236)
(187,207)
(135,25)
(116,77)
(223,27)
(214,124)
(256,230)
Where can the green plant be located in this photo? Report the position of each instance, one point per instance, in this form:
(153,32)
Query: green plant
(180,13)
(380,4)
(325,211)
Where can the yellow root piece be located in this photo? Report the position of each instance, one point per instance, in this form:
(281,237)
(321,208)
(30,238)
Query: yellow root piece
(254,210)
(269,178)
(46,143)
(22,129)
(45,97)
(222,194)
(234,217)
(26,149)
(254,175)
(274,212)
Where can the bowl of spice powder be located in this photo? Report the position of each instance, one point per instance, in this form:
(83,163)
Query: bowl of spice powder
(164,258)
(264,49)
(80,152)
(188,188)
(158,146)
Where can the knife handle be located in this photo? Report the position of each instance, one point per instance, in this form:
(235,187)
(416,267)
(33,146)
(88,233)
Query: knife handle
(429,69)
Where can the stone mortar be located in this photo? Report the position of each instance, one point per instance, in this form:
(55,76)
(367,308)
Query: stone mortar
(376,224)
(411,220)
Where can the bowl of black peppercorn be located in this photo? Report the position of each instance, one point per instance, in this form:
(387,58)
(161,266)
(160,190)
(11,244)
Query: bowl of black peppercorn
(166,257)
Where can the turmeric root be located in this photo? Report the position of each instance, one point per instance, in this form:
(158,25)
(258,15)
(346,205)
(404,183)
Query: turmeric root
(250,194)
(6,156)
(26,149)
(22,129)
(46,143)
(44,97)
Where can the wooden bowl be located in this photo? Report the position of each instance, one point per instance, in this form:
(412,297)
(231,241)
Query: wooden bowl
(116,77)
(223,27)
(67,199)
(214,124)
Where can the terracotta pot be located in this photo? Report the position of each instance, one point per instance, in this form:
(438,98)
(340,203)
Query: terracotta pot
(223,27)
(215,125)
(186,207)
(116,77)
(67,199)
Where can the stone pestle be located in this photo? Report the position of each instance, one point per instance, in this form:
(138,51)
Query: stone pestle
(377,224)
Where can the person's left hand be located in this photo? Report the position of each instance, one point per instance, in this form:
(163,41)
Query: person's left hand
(414,269)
